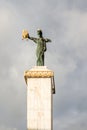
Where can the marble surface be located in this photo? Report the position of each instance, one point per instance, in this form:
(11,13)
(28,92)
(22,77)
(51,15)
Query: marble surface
(39,104)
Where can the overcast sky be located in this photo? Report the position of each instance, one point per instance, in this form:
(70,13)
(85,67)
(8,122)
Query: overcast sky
(65,23)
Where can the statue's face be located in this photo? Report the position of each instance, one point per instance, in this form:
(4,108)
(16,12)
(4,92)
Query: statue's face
(39,33)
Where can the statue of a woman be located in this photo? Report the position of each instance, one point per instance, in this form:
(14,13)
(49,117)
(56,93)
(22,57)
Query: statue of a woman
(41,47)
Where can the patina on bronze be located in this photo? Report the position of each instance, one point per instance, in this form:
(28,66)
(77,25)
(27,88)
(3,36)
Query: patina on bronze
(41,45)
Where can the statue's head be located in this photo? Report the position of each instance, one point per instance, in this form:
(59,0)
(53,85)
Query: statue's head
(39,32)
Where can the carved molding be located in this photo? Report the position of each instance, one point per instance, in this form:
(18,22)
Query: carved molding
(38,74)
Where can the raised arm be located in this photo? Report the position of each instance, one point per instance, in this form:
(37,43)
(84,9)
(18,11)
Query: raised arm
(33,39)
(47,40)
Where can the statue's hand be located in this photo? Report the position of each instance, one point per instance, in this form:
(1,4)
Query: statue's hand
(50,40)
(29,37)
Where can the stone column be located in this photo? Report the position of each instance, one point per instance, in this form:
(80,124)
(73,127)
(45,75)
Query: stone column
(40,90)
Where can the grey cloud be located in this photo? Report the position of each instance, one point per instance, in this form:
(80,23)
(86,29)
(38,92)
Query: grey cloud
(6,128)
(65,24)
(72,121)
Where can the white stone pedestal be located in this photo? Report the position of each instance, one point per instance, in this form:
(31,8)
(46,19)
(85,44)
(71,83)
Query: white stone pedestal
(40,90)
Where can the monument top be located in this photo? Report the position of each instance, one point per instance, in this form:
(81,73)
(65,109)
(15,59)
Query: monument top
(38,72)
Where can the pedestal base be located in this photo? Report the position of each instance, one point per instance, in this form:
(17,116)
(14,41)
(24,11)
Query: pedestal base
(40,88)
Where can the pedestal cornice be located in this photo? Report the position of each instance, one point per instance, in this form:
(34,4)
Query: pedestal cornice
(38,72)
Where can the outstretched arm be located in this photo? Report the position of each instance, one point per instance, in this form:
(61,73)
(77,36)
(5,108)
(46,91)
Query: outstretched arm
(33,39)
(47,40)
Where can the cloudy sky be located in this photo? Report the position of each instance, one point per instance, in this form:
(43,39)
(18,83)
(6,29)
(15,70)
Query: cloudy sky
(65,23)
